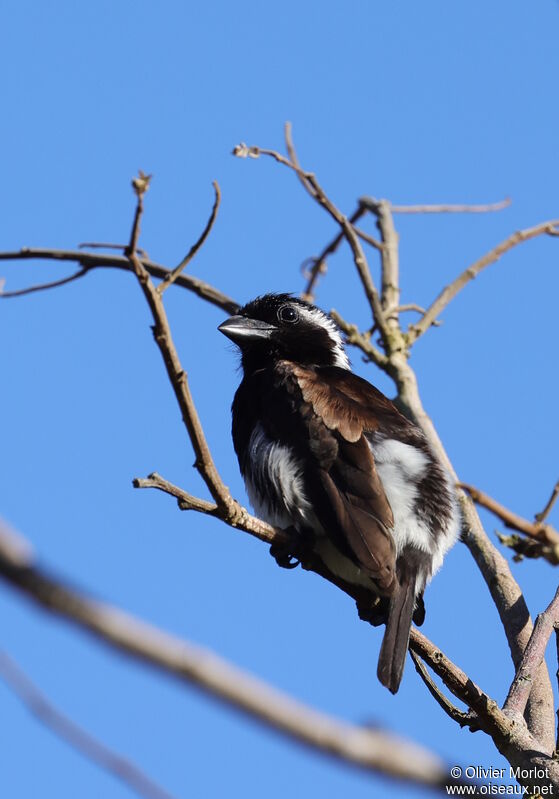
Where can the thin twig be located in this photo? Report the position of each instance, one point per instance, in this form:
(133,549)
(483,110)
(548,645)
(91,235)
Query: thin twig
(413,306)
(378,245)
(536,530)
(373,750)
(316,191)
(177,375)
(390,261)
(491,717)
(410,306)
(243,521)
(170,279)
(542,516)
(360,340)
(62,726)
(292,153)
(519,692)
(44,286)
(319,263)
(104,245)
(90,260)
(140,184)
(464,719)
(452,208)
(449,292)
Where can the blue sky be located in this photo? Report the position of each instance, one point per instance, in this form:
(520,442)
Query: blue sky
(429,102)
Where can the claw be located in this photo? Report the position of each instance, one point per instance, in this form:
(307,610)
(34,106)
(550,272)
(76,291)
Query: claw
(375,614)
(283,557)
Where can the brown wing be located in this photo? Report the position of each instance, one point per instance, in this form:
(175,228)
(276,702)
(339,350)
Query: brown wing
(347,403)
(348,496)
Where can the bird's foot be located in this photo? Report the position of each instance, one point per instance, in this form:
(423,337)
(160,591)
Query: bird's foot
(283,557)
(375,613)
(291,553)
(419,612)
(283,553)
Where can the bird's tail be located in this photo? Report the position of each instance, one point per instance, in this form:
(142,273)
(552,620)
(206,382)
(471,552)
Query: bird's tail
(394,645)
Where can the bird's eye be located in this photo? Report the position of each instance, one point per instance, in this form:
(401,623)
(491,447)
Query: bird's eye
(287,313)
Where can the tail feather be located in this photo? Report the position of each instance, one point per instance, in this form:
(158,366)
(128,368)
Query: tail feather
(394,645)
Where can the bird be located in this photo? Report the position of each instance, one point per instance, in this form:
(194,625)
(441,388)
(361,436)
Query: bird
(325,454)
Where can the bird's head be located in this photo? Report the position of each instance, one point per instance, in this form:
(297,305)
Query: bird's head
(279,326)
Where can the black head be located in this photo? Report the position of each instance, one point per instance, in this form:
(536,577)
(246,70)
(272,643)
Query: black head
(280,326)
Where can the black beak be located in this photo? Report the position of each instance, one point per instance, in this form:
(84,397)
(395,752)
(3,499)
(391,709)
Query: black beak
(239,329)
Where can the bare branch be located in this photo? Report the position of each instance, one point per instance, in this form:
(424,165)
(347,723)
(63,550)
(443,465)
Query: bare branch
(62,726)
(104,245)
(514,615)
(360,340)
(186,501)
(91,260)
(450,291)
(317,192)
(292,153)
(413,306)
(319,263)
(464,719)
(243,520)
(452,208)
(491,717)
(521,687)
(410,306)
(369,749)
(511,735)
(390,269)
(177,376)
(170,279)
(378,245)
(542,516)
(140,185)
(44,286)
(538,531)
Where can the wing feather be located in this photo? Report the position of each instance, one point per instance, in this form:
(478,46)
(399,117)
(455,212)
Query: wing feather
(347,493)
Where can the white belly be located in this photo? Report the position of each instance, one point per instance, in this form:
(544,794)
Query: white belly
(401,468)
(275,465)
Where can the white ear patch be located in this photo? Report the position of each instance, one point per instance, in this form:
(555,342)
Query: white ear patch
(317,317)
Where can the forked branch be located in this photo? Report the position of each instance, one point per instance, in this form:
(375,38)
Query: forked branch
(172,276)
(449,292)
(316,191)
(519,691)
(543,538)
(95,260)
(176,373)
